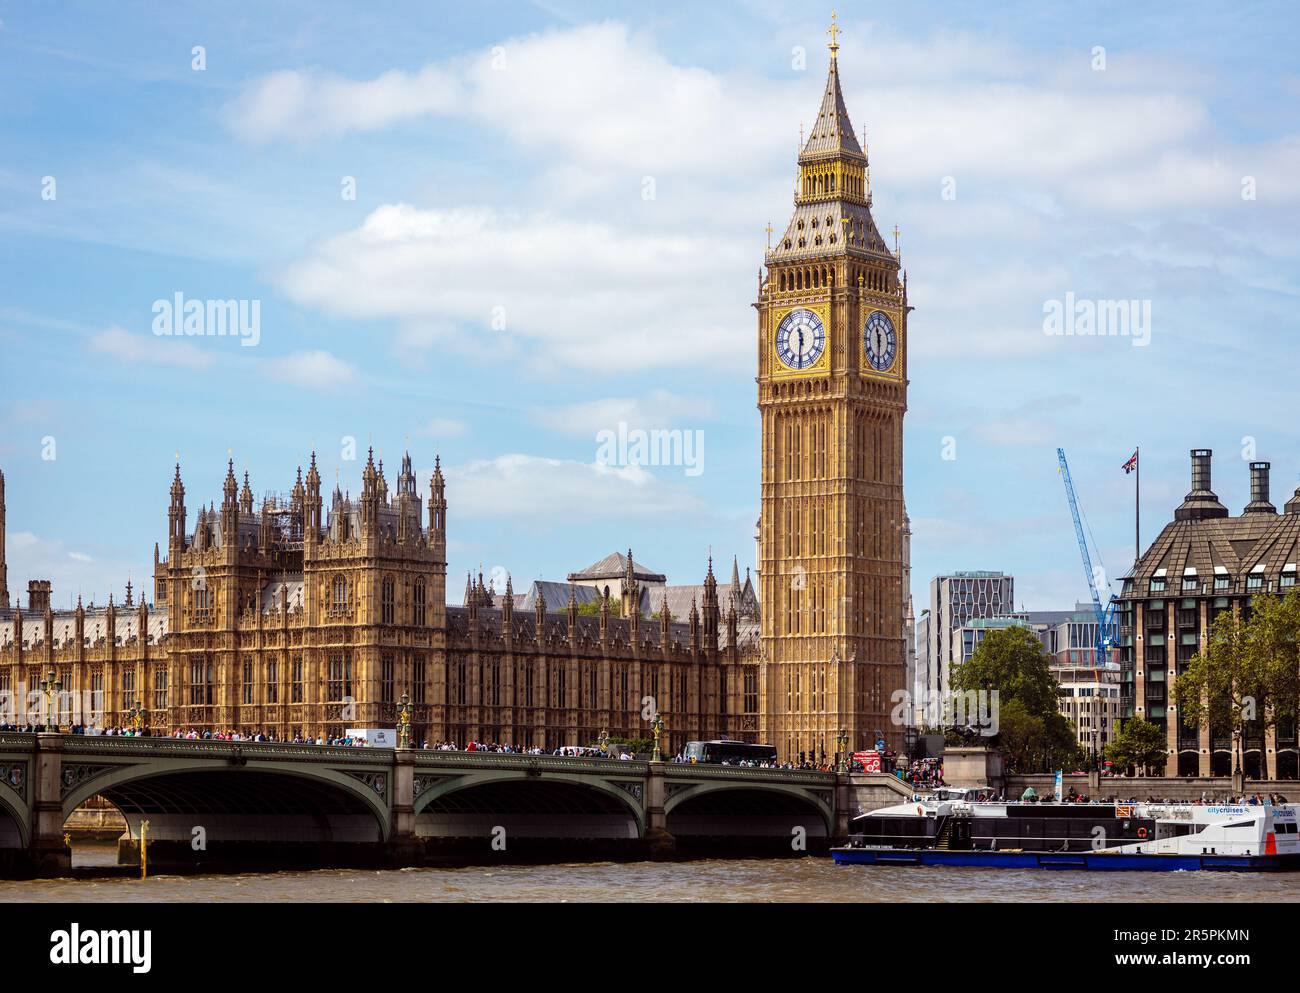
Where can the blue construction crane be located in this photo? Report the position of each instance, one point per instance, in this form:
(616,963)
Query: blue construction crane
(1105,612)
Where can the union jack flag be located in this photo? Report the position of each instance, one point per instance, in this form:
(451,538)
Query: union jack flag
(1131,464)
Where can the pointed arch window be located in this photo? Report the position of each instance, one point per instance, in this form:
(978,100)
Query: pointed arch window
(387,600)
(340,594)
(418,597)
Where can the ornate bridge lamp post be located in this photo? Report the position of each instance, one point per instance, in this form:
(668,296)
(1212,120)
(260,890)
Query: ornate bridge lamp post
(603,741)
(139,718)
(842,741)
(404,722)
(51,687)
(657,728)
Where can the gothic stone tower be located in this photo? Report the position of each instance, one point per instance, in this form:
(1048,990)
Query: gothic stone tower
(832,391)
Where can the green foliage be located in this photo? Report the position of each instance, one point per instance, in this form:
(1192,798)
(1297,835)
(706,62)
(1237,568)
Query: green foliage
(1248,675)
(592,608)
(640,746)
(1032,735)
(1140,744)
(1012,662)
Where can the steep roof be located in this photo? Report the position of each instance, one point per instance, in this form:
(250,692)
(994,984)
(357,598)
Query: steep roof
(614,566)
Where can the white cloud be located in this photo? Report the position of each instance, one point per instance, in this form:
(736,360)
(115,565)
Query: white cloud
(314,370)
(300,105)
(70,572)
(152,349)
(583,294)
(657,409)
(530,486)
(445,427)
(597,97)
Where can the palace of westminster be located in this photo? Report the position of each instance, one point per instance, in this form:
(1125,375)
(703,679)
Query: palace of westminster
(300,618)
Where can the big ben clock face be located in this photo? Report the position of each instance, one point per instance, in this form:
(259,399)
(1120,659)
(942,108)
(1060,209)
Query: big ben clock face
(879,341)
(800,339)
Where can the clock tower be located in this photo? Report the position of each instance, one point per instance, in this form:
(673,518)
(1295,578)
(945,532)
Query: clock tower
(832,391)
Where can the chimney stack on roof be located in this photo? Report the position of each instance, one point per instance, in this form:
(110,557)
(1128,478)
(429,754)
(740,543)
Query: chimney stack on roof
(1259,490)
(1200,503)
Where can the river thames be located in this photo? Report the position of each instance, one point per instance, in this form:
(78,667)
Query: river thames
(808,880)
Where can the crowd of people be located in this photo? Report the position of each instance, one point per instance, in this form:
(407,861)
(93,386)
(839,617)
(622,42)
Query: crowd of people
(925,772)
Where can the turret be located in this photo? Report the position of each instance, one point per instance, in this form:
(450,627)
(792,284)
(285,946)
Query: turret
(369,496)
(539,619)
(246,497)
(176,514)
(665,623)
(630,601)
(437,506)
(712,613)
(230,509)
(733,619)
(311,507)
(604,615)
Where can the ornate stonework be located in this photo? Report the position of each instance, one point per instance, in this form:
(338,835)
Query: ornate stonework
(832,391)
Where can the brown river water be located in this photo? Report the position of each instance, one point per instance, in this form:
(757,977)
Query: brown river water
(815,879)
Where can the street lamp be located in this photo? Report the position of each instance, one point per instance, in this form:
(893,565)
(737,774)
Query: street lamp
(657,728)
(603,741)
(50,687)
(139,717)
(842,740)
(404,722)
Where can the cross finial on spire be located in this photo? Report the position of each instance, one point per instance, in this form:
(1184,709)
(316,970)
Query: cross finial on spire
(896,233)
(834,31)
(769,229)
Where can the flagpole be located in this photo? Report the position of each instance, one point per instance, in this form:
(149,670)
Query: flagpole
(1137,507)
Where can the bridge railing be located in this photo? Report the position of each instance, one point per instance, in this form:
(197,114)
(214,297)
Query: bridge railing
(184,747)
(521,760)
(683,770)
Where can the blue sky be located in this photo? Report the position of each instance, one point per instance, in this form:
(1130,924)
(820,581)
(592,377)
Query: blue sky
(500,154)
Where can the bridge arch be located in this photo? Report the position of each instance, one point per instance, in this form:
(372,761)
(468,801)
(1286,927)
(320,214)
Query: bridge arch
(15,830)
(255,801)
(746,808)
(550,804)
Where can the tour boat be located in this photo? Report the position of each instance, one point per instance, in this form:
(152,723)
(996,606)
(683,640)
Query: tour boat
(960,828)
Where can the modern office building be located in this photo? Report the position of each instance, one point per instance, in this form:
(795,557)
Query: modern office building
(1202,563)
(955,600)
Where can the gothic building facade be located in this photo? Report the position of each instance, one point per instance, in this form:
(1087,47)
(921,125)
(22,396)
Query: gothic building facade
(297,619)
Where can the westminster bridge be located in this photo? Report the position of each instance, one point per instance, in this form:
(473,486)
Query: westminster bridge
(221,804)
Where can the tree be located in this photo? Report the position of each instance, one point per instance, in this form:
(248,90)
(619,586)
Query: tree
(1140,744)
(1248,675)
(1222,685)
(1275,641)
(592,608)
(1031,731)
